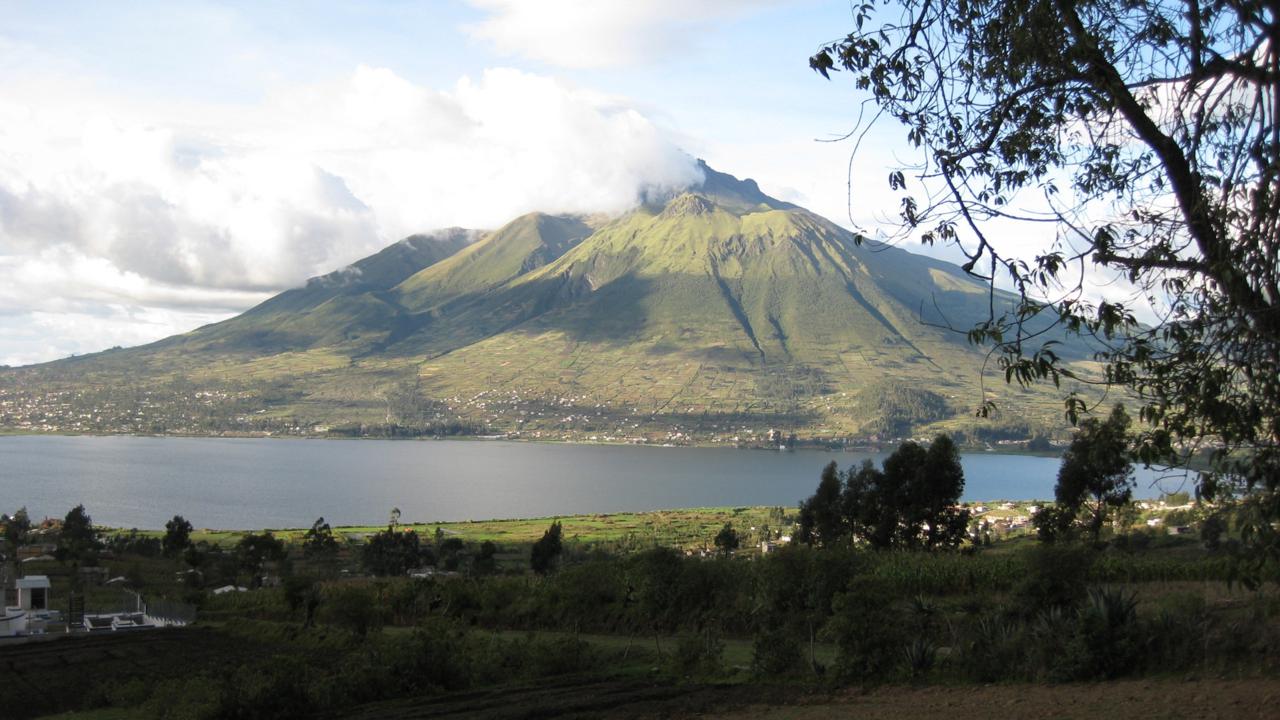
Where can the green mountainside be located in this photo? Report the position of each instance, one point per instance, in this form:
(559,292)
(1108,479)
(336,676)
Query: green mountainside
(707,314)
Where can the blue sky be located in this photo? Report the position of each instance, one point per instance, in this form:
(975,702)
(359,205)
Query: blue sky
(168,164)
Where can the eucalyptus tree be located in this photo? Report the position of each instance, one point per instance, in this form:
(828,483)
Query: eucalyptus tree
(911,502)
(77,539)
(319,540)
(546,551)
(1145,132)
(821,520)
(727,540)
(177,536)
(16,527)
(1096,476)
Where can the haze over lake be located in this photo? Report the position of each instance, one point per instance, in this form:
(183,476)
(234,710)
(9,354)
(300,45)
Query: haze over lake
(254,483)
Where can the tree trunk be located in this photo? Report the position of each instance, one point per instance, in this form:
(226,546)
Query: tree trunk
(813,648)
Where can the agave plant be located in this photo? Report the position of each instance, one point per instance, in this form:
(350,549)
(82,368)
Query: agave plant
(1115,607)
(920,654)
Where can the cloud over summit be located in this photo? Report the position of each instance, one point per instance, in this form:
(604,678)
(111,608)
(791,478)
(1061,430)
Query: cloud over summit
(132,207)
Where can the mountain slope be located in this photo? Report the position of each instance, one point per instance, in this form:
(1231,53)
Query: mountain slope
(335,309)
(716,310)
(524,244)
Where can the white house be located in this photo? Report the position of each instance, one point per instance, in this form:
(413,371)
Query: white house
(33,592)
(29,616)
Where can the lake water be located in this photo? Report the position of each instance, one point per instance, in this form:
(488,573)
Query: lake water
(261,483)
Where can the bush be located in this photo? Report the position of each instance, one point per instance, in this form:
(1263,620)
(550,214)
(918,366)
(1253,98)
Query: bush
(992,649)
(436,657)
(699,654)
(1054,576)
(276,688)
(193,698)
(920,655)
(869,631)
(353,607)
(775,651)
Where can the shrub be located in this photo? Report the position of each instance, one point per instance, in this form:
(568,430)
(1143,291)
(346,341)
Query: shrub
(992,649)
(1055,576)
(699,654)
(193,698)
(775,651)
(920,655)
(353,607)
(869,631)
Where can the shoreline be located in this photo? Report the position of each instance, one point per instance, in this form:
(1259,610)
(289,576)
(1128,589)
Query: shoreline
(886,446)
(452,527)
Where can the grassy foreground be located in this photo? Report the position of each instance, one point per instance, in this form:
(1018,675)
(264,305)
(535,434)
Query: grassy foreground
(633,621)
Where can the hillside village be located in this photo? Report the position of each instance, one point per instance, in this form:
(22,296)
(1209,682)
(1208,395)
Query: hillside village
(184,409)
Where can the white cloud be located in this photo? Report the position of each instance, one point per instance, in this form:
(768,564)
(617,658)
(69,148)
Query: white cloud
(603,33)
(195,210)
(41,336)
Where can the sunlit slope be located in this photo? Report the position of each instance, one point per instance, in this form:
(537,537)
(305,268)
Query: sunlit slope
(523,245)
(714,307)
(712,278)
(348,308)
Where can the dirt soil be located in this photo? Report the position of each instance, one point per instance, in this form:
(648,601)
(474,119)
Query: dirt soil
(1165,698)
(1235,699)
(58,672)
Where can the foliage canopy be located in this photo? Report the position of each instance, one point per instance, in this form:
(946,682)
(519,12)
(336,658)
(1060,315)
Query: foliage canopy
(319,540)
(546,551)
(177,535)
(1096,475)
(910,503)
(77,539)
(1148,129)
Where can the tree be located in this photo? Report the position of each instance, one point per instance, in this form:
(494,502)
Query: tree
(794,588)
(937,491)
(1039,443)
(655,580)
(727,540)
(1096,475)
(177,536)
(354,607)
(392,552)
(1053,523)
(486,561)
(821,520)
(547,550)
(302,593)
(16,527)
(77,540)
(319,542)
(868,507)
(1145,134)
(194,556)
(255,550)
(449,550)
(912,502)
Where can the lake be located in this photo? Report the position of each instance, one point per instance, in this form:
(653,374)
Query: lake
(141,482)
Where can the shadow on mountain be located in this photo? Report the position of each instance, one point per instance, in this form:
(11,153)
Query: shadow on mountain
(608,314)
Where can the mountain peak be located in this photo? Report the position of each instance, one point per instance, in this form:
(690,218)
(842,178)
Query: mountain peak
(720,189)
(688,204)
(728,191)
